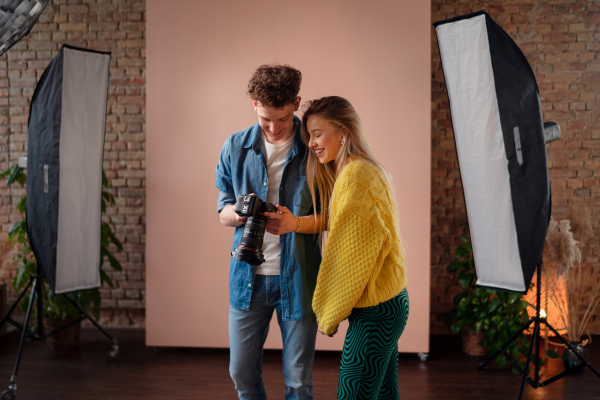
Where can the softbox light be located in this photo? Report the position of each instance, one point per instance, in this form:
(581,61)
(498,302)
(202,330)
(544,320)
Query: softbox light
(499,135)
(17,17)
(67,120)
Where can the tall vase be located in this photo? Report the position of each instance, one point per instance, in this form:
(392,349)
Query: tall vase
(571,361)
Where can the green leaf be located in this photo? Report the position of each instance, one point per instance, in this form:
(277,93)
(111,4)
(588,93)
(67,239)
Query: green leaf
(552,353)
(455,266)
(15,175)
(540,360)
(465,282)
(22,206)
(114,240)
(21,279)
(515,352)
(25,302)
(104,179)
(494,304)
(105,278)
(460,252)
(18,228)
(455,328)
(114,263)
(513,297)
(108,198)
(104,241)
(501,361)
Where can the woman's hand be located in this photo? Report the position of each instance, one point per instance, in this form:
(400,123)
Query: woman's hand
(282,221)
(323,333)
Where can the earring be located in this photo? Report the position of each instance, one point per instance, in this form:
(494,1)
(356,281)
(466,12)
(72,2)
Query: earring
(343,141)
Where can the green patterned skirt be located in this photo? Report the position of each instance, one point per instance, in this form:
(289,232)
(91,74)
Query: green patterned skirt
(369,367)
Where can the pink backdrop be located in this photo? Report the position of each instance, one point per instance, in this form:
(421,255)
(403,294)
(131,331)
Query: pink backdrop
(200,55)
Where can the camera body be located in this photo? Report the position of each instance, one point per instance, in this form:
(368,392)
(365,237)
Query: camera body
(249,205)
(250,247)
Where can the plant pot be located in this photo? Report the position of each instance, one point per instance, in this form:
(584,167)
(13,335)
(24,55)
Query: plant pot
(471,342)
(65,339)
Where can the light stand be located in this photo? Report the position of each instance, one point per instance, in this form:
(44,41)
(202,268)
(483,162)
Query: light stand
(537,320)
(37,288)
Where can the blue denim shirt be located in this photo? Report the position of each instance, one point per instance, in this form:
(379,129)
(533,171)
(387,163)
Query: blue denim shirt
(242,169)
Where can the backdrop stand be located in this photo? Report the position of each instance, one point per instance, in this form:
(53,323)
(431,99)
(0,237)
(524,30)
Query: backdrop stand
(36,285)
(537,320)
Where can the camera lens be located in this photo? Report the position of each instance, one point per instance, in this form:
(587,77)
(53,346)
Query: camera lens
(250,247)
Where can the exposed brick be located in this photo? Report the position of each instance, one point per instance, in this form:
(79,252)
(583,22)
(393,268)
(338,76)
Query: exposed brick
(73,26)
(130,303)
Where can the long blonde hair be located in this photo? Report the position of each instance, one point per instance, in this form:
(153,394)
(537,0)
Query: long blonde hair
(321,177)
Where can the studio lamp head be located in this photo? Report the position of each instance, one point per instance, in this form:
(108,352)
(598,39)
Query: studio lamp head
(17,17)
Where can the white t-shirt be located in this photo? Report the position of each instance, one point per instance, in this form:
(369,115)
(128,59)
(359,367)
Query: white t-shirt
(276,156)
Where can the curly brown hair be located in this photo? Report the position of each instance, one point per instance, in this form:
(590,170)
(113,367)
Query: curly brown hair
(275,85)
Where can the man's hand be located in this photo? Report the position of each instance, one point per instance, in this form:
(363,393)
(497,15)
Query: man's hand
(282,221)
(229,217)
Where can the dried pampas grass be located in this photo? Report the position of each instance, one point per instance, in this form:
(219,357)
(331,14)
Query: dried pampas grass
(561,252)
(563,255)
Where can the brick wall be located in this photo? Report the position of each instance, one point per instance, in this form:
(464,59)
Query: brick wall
(561,40)
(117,26)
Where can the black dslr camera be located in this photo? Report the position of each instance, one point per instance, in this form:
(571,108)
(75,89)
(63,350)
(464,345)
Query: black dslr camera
(250,247)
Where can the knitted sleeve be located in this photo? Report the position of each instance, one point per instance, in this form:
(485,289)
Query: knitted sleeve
(353,246)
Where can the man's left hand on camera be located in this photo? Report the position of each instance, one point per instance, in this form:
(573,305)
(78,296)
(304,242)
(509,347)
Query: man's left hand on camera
(281,222)
(229,217)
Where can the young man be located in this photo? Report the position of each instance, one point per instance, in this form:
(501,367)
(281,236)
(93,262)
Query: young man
(269,160)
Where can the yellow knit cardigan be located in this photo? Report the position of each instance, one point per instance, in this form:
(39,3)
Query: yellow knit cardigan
(363,260)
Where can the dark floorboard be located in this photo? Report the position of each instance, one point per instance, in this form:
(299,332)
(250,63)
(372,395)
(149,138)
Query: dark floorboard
(184,373)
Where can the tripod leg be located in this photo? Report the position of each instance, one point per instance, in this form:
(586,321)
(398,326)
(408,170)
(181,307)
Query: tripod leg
(112,355)
(12,387)
(536,331)
(15,304)
(538,358)
(40,309)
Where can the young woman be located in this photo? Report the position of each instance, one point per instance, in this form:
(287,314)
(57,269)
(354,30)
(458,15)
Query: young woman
(362,275)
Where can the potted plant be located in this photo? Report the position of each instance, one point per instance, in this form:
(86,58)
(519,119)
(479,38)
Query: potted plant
(57,310)
(486,319)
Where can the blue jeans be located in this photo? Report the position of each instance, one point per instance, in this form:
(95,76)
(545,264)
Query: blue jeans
(247,334)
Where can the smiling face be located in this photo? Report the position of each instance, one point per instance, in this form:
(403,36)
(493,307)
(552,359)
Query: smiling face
(325,138)
(277,123)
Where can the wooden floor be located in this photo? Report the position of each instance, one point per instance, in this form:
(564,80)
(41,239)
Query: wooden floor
(178,373)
